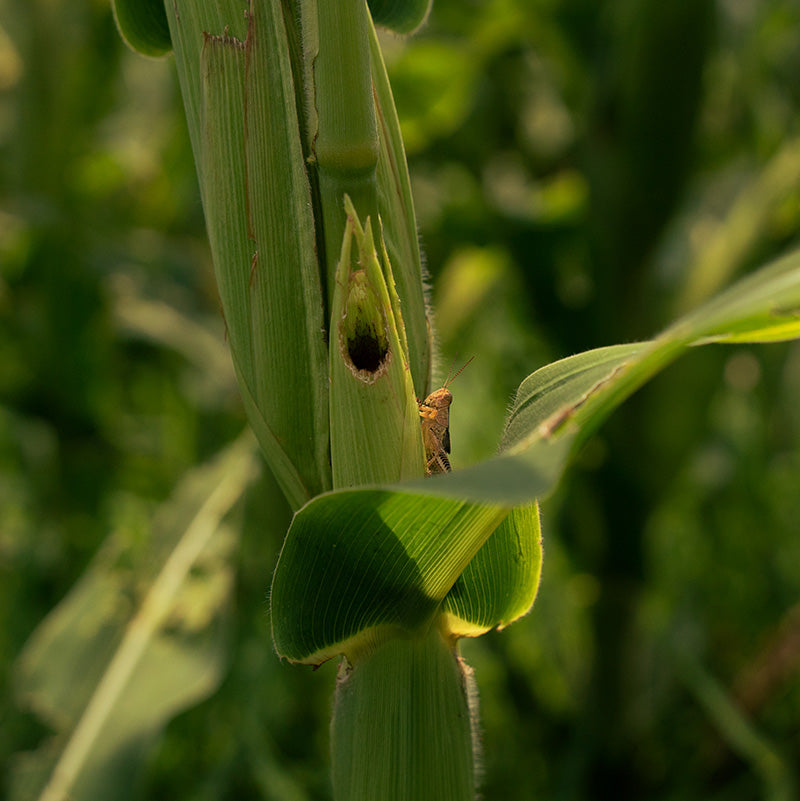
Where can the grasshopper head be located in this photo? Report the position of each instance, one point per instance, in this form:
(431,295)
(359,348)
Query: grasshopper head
(440,399)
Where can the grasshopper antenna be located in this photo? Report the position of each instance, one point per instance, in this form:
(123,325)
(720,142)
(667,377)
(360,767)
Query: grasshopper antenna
(461,370)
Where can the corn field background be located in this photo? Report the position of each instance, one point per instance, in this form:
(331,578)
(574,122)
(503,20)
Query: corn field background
(582,173)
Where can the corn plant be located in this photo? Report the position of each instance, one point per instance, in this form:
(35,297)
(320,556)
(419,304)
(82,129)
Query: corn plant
(391,558)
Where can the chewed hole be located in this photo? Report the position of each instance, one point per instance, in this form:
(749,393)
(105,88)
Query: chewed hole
(363,334)
(367,351)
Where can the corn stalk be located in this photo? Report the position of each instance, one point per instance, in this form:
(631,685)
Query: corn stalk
(311,224)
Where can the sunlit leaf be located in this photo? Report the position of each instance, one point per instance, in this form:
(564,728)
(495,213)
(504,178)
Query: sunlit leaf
(360,565)
(500,583)
(375,559)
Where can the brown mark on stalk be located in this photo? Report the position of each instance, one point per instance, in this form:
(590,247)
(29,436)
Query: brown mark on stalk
(785,311)
(225,39)
(253,266)
(224,319)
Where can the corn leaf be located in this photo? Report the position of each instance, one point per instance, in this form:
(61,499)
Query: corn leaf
(558,406)
(398,222)
(396,716)
(375,565)
(143,25)
(138,639)
(400,16)
(188,21)
(500,583)
(359,566)
(261,229)
(287,300)
(375,433)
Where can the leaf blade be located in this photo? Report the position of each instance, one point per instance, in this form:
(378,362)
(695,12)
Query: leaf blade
(557,407)
(358,565)
(501,582)
(96,652)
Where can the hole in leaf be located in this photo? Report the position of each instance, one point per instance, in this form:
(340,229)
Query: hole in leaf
(366,351)
(362,330)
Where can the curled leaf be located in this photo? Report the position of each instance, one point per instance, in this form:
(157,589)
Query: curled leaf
(400,16)
(143,26)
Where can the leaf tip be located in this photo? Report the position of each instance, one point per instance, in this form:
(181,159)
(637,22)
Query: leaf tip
(143,26)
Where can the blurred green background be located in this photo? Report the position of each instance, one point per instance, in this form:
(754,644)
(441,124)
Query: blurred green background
(583,172)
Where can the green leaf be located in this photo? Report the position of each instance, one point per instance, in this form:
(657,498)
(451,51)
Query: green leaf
(762,307)
(360,566)
(557,389)
(261,229)
(567,400)
(137,640)
(500,583)
(377,549)
(375,431)
(400,16)
(403,724)
(287,296)
(188,22)
(143,25)
(399,224)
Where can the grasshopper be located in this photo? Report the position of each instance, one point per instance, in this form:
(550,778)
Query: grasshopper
(434,414)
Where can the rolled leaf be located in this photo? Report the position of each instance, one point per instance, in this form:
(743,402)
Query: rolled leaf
(358,567)
(261,228)
(501,582)
(375,432)
(400,16)
(399,225)
(403,724)
(189,21)
(379,558)
(143,25)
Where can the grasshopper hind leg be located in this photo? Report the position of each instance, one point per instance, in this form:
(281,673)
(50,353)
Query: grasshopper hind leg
(438,462)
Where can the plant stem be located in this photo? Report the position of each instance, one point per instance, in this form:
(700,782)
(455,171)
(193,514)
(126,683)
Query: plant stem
(402,725)
(346,142)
